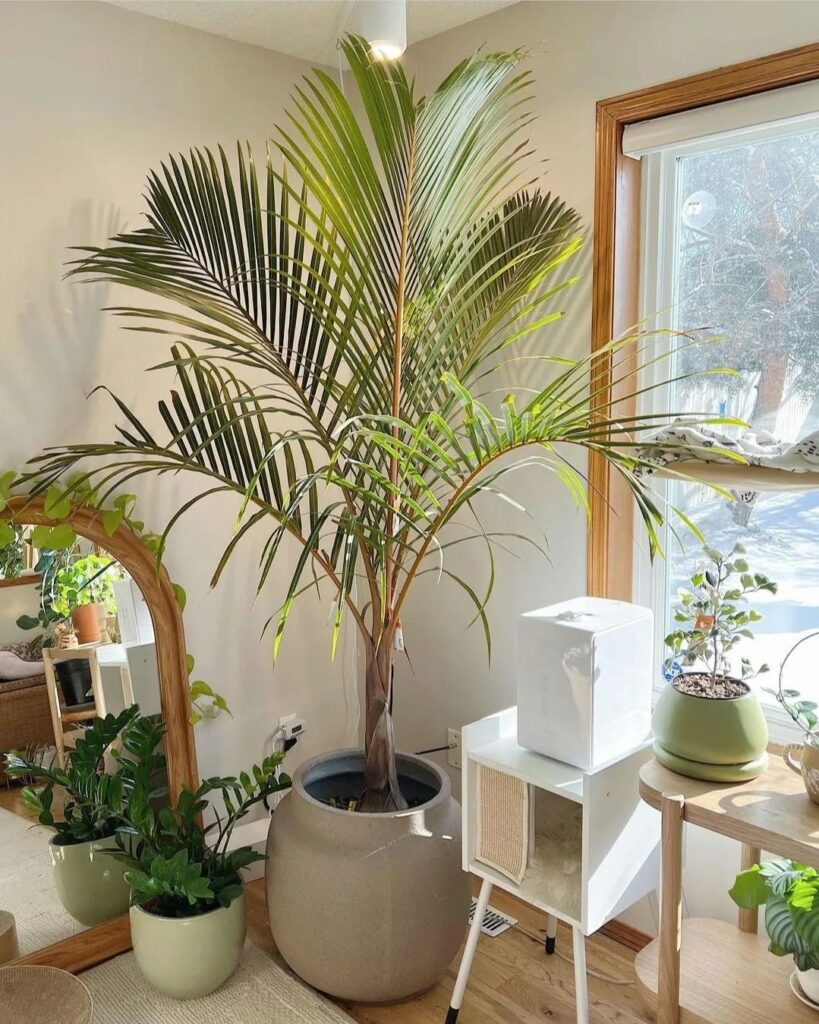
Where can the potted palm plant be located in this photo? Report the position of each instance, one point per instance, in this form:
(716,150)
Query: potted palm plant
(188,920)
(707,723)
(90,882)
(337,315)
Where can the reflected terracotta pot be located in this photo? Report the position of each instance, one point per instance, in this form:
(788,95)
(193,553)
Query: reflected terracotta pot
(86,619)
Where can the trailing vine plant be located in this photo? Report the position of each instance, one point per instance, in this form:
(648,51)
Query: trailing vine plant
(60,538)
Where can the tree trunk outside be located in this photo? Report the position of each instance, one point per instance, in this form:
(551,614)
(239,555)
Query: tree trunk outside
(381,793)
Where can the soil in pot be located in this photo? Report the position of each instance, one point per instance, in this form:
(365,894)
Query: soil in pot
(700,684)
(344,789)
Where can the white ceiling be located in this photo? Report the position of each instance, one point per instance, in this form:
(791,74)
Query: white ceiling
(304,28)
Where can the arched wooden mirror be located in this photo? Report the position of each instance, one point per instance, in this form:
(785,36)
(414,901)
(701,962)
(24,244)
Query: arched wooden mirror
(48,694)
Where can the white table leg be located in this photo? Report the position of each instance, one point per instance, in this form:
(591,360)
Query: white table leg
(469,953)
(581,988)
(551,933)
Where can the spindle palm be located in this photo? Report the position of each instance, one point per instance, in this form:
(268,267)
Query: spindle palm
(335,321)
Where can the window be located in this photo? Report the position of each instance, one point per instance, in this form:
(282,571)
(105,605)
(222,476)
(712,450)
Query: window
(731,245)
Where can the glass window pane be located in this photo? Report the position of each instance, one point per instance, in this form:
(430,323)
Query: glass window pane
(747,268)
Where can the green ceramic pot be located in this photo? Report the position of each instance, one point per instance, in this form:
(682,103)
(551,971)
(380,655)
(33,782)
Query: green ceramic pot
(189,957)
(722,740)
(90,883)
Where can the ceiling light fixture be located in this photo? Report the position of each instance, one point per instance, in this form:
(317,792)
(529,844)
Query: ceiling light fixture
(383,23)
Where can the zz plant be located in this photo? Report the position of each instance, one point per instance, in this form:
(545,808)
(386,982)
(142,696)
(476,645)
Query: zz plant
(790,894)
(95,800)
(177,865)
(339,318)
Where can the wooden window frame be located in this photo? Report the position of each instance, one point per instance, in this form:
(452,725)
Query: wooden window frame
(616,261)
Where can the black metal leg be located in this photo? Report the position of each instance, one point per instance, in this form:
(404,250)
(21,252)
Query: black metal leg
(451,1015)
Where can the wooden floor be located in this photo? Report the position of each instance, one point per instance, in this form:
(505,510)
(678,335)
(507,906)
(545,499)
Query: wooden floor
(512,980)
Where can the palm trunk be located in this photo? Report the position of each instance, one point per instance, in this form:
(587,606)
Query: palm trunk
(381,791)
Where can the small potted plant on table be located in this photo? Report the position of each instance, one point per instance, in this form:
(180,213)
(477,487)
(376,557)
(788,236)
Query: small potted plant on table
(790,894)
(188,919)
(707,723)
(90,882)
(85,591)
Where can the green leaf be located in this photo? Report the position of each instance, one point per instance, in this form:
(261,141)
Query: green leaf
(55,504)
(7,533)
(111,519)
(181,596)
(750,890)
(55,538)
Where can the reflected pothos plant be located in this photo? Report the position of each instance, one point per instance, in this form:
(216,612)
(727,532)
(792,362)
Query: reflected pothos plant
(59,539)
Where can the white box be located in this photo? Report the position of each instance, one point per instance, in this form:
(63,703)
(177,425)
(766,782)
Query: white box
(585,671)
(133,614)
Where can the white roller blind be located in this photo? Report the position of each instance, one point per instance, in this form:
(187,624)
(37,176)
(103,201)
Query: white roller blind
(792,104)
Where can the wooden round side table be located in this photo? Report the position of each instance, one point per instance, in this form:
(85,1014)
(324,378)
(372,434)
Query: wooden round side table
(703,971)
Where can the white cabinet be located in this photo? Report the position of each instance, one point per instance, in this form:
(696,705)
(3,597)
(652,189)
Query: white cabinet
(606,858)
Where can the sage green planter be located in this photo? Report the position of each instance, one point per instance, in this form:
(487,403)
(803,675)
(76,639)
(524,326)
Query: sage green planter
(90,883)
(722,740)
(189,957)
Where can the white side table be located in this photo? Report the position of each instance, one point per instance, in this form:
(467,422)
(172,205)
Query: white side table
(616,856)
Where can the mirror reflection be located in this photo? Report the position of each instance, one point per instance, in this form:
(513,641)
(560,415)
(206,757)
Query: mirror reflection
(76,645)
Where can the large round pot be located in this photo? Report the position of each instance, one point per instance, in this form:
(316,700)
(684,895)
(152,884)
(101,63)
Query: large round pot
(719,739)
(86,619)
(367,907)
(189,957)
(90,883)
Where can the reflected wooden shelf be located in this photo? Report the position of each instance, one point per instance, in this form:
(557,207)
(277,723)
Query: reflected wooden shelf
(727,977)
(707,972)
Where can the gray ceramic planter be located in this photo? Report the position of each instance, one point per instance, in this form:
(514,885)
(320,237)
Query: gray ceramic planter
(367,907)
(189,957)
(90,884)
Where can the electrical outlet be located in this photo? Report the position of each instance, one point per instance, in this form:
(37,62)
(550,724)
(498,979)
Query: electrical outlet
(291,727)
(453,739)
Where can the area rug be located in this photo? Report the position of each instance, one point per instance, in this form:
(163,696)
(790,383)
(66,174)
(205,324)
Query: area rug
(260,992)
(27,885)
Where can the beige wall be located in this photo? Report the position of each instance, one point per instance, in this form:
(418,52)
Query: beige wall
(93,96)
(580,53)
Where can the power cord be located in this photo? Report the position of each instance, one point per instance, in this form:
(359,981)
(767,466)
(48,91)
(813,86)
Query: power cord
(592,974)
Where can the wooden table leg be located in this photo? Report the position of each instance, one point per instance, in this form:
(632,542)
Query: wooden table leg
(668,982)
(749,919)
